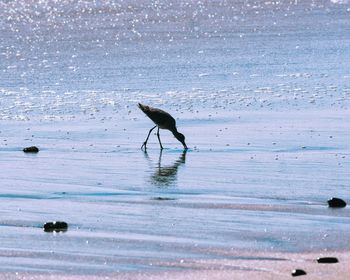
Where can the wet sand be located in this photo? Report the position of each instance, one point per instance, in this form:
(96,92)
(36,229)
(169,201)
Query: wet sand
(261,91)
(238,265)
(241,191)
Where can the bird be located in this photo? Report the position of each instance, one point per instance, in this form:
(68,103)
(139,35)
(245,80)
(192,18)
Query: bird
(162,120)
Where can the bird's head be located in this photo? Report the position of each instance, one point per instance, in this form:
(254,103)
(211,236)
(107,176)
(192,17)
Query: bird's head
(179,136)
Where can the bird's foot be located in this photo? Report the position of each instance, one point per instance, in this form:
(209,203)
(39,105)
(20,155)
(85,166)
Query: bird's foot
(144,145)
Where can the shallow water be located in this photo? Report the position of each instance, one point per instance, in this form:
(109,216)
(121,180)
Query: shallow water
(260,90)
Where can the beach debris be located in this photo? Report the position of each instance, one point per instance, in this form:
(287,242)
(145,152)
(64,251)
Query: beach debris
(162,198)
(336,202)
(298,272)
(56,226)
(32,149)
(327,260)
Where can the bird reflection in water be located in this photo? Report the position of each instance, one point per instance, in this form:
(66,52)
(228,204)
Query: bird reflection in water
(166,175)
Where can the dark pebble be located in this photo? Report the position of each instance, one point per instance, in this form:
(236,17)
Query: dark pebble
(327,260)
(55,226)
(336,202)
(162,198)
(31,149)
(298,272)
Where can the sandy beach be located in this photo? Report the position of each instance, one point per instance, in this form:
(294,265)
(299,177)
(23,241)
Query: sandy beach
(249,213)
(257,266)
(261,91)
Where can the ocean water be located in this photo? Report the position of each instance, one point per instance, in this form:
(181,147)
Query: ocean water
(261,90)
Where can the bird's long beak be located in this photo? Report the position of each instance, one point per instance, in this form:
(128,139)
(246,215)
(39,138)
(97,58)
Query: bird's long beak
(185,146)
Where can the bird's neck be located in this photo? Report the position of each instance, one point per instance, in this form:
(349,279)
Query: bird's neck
(175,132)
(177,135)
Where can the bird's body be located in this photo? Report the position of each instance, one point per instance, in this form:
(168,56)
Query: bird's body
(163,120)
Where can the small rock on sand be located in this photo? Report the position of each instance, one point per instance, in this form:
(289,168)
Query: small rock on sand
(56,226)
(298,272)
(335,202)
(32,149)
(327,260)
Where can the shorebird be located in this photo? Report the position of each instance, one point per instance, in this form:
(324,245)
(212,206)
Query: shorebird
(162,120)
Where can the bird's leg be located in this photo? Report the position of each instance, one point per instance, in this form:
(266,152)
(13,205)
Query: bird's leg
(149,133)
(159,160)
(160,143)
